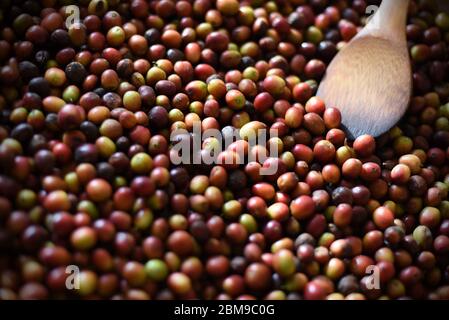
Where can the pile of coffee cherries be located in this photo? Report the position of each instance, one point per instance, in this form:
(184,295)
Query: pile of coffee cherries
(93,207)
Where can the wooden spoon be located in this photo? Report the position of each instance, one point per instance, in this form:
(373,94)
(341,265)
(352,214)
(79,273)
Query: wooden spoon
(369,80)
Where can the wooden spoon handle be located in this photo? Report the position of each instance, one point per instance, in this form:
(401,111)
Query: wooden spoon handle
(389,22)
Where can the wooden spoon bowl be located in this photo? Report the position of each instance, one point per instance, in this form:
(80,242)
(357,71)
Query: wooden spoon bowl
(370,78)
